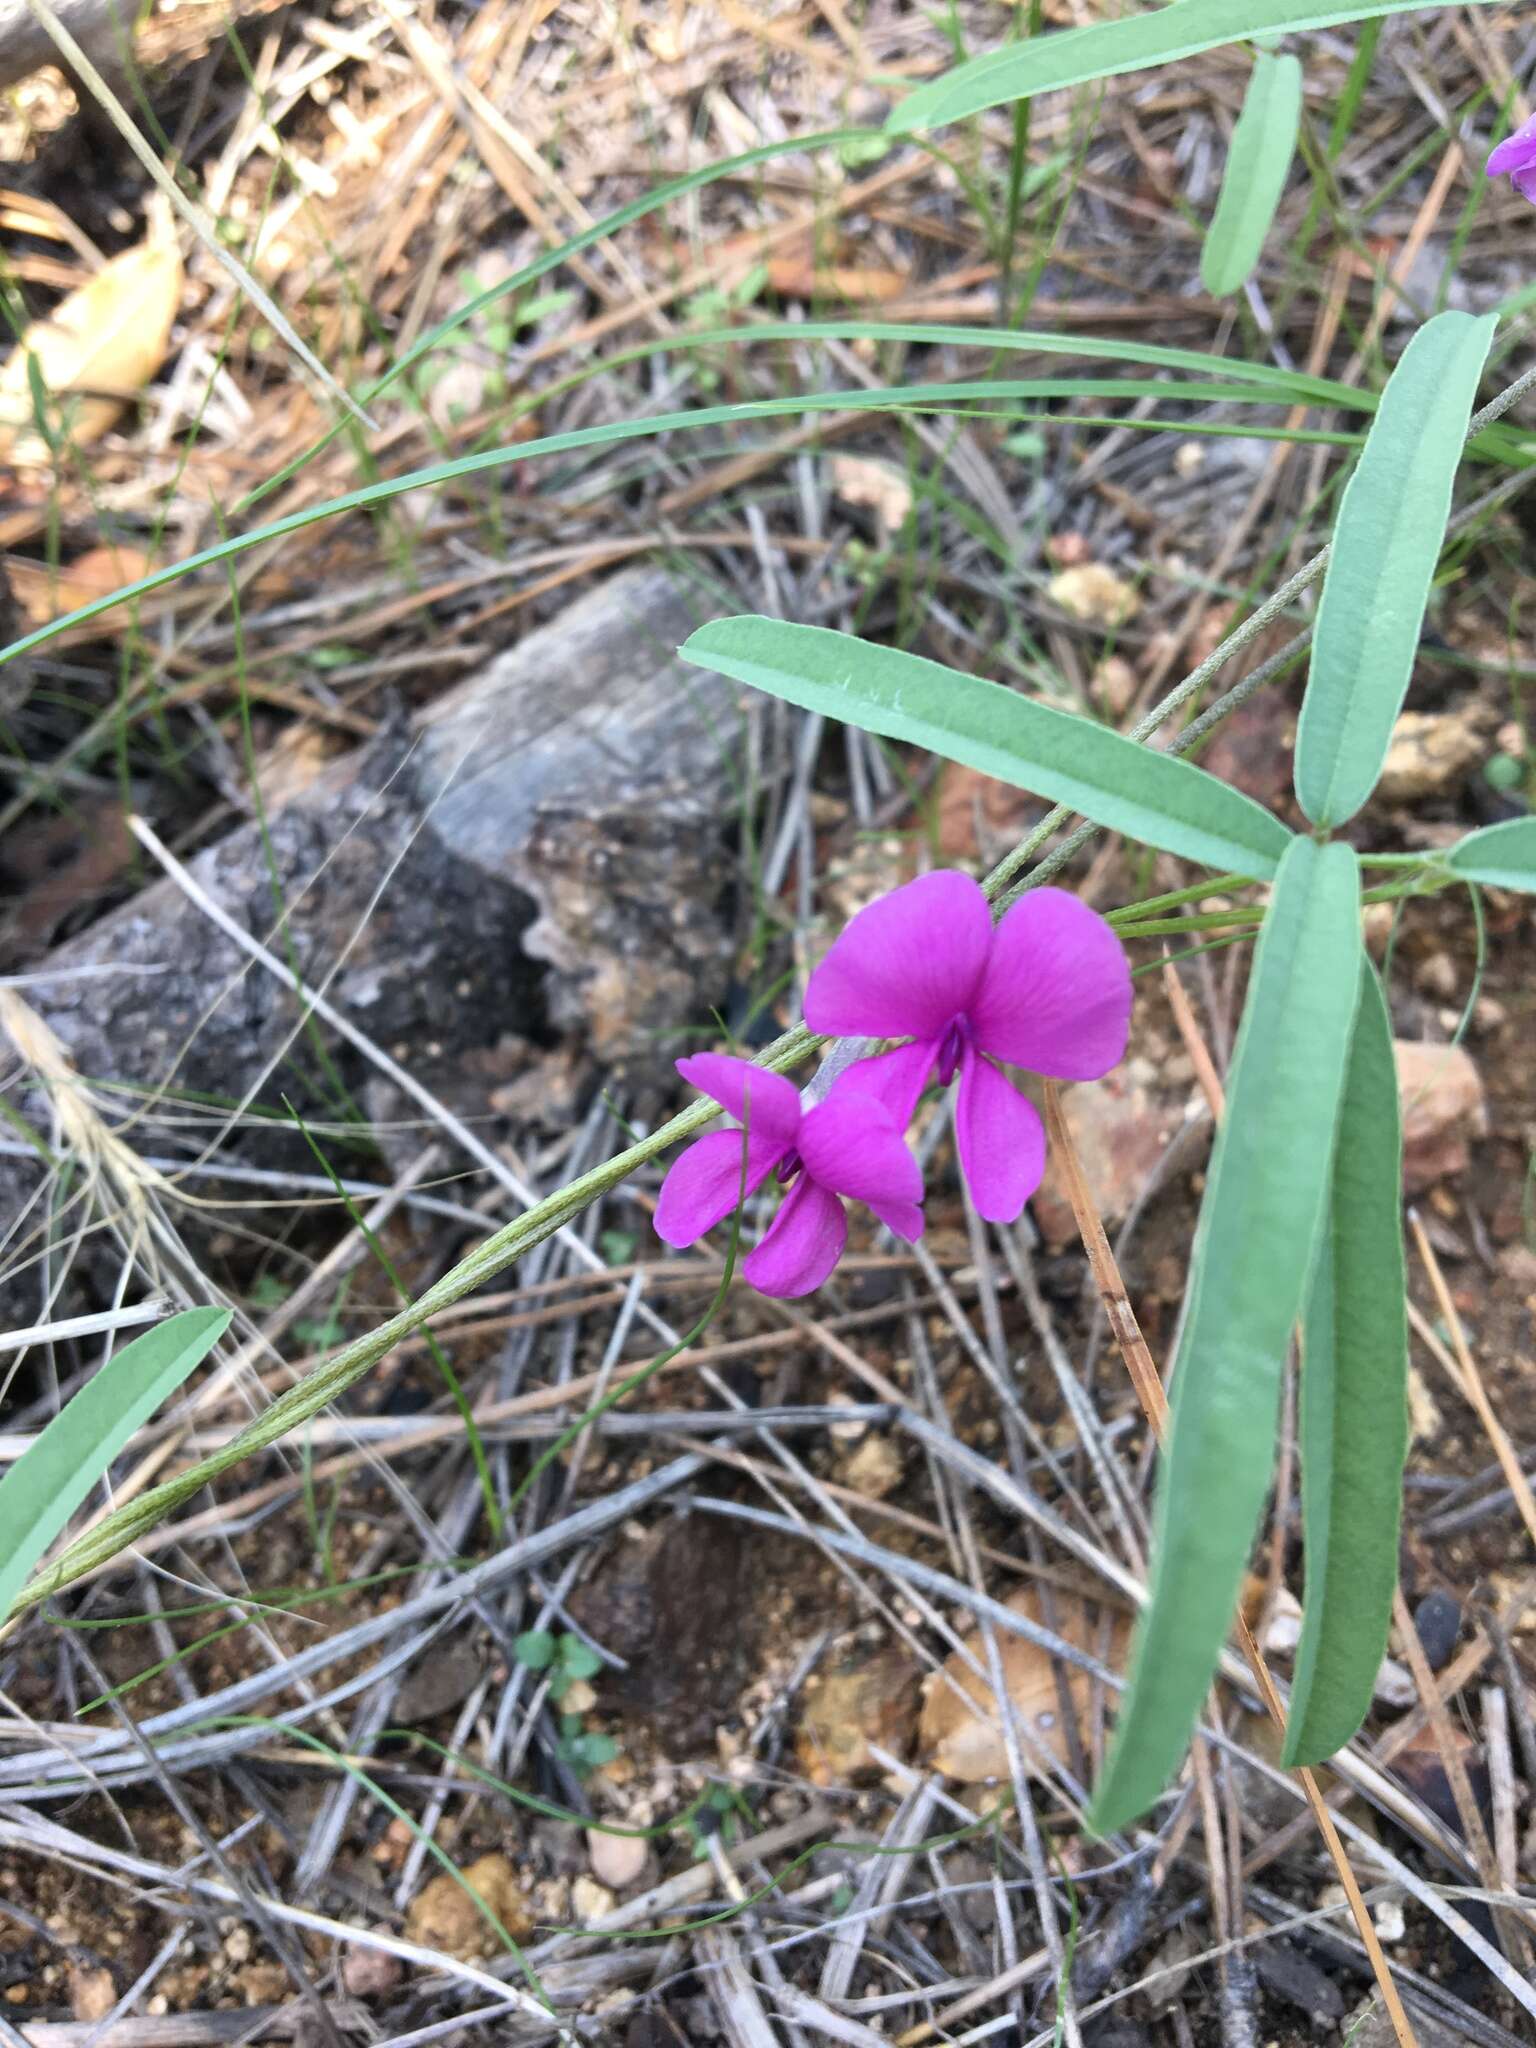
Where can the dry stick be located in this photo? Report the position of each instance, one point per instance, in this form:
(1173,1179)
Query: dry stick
(1144,1373)
(1512,1933)
(1465,1376)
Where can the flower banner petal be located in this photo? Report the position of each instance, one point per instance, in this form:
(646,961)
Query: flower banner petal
(802,1245)
(906,964)
(1000,1138)
(1056,995)
(849,1144)
(768,1104)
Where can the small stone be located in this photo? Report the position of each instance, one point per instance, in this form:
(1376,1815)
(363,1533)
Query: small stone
(1390,1923)
(870,1701)
(1429,751)
(1424,1418)
(1377,920)
(1442,1104)
(879,486)
(874,1469)
(1437,976)
(92,1994)
(237,1945)
(1517,1262)
(370,1972)
(444,1916)
(617,1860)
(1114,685)
(1121,1131)
(591,1900)
(846,1432)
(578,1698)
(1282,1631)
(1437,1621)
(1394,1685)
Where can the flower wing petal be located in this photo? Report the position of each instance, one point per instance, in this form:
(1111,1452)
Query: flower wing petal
(768,1104)
(906,964)
(893,1079)
(850,1144)
(703,1186)
(1056,995)
(802,1244)
(1515,151)
(1000,1138)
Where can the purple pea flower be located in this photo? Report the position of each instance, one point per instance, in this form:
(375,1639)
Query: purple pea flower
(1047,988)
(848,1145)
(1516,157)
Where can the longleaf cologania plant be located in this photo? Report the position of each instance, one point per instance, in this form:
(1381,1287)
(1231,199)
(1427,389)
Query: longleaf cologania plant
(1301,1220)
(1300,1224)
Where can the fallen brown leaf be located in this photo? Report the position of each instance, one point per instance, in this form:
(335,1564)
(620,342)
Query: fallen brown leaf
(95,351)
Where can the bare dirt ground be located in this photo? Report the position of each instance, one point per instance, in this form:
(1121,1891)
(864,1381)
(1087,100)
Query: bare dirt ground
(744,1619)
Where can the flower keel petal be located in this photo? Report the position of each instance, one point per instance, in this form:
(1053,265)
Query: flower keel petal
(893,1079)
(802,1245)
(1001,1140)
(850,1144)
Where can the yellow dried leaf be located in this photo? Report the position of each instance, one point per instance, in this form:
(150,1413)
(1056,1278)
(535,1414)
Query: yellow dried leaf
(45,593)
(959,1732)
(95,351)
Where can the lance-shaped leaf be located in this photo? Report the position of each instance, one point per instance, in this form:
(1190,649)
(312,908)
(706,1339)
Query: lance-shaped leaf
(1504,855)
(1263,143)
(1354,1402)
(1133,789)
(1253,1258)
(1385,546)
(1075,56)
(56,1472)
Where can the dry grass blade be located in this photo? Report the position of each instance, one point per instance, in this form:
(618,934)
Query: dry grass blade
(1464,1376)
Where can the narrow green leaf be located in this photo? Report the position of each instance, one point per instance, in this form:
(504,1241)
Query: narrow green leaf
(56,1472)
(1107,49)
(1263,143)
(1253,1258)
(1154,797)
(1385,546)
(1354,1403)
(1504,855)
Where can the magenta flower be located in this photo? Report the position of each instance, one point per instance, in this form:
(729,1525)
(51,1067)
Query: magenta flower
(1047,988)
(847,1145)
(1516,157)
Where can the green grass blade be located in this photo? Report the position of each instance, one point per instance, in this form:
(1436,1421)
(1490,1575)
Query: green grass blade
(1354,1403)
(56,1472)
(1263,143)
(1076,56)
(1154,797)
(1253,1259)
(1503,856)
(894,398)
(1385,546)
